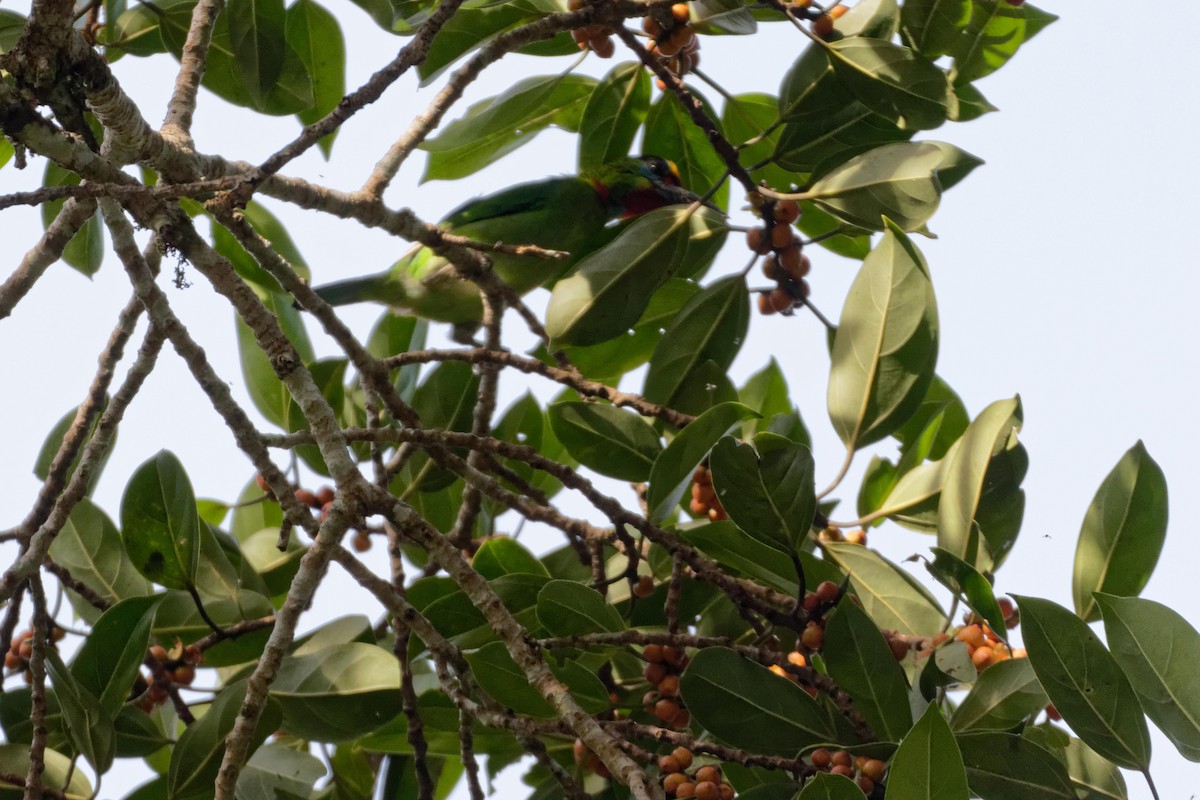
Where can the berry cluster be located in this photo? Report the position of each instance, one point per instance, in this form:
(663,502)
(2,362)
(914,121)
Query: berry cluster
(864,771)
(785,263)
(985,647)
(703,783)
(21,650)
(675,41)
(178,669)
(664,663)
(597,38)
(704,498)
(816,604)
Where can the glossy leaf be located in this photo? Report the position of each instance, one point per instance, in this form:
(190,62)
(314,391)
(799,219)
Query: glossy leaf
(339,693)
(746,705)
(734,549)
(670,133)
(748,121)
(90,547)
(54,440)
(59,772)
(502,555)
(159,522)
(857,654)
(711,326)
(886,345)
(964,580)
(1158,651)
(1084,683)
(894,81)
(609,440)
(88,725)
(928,763)
(1123,532)
(1095,777)
(567,608)
(1004,696)
(992,36)
(276,770)
(1004,765)
(495,127)
(500,677)
(608,291)
(468,29)
(267,392)
(613,114)
(964,481)
(766,488)
(316,37)
(85,250)
(673,469)
(934,27)
(197,754)
(111,656)
(457,618)
(256,29)
(897,180)
(890,596)
(825,786)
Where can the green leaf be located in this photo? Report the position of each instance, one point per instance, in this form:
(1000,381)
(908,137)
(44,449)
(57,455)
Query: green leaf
(502,555)
(495,127)
(734,549)
(894,82)
(467,29)
(609,361)
(267,392)
(278,771)
(1122,533)
(88,725)
(499,676)
(339,693)
(112,654)
(824,786)
(567,608)
(856,653)
(315,35)
(672,471)
(395,334)
(767,488)
(614,112)
(964,481)
(45,457)
(616,443)
(256,31)
(712,17)
(670,133)
(1158,651)
(872,19)
(711,326)
(933,27)
(928,763)
(197,754)
(457,618)
(752,116)
(608,291)
(995,32)
(890,596)
(11,26)
(1084,683)
(85,251)
(1005,765)
(1095,777)
(1004,696)
(59,772)
(746,705)
(897,181)
(964,580)
(138,734)
(886,345)
(90,547)
(159,522)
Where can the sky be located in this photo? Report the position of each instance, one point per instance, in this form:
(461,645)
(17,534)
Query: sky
(1063,269)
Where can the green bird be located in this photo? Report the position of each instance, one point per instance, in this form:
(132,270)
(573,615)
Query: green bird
(569,213)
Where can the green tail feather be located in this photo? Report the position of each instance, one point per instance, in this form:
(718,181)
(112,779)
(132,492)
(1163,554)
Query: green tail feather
(382,287)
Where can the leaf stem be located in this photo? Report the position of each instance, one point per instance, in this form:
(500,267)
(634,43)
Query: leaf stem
(837,479)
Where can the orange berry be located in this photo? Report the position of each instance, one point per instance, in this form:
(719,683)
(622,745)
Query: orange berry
(787,212)
(644,586)
(838,11)
(655,672)
(683,756)
(797,658)
(972,635)
(666,709)
(361,542)
(653,653)
(781,299)
(668,765)
(708,774)
(1019,653)
(858,536)
(184,674)
(672,782)
(681,13)
(766,307)
(789,259)
(157,693)
(827,591)
(683,38)
(307,497)
(866,784)
(685,790)
(874,769)
(651,26)
(811,603)
(604,47)
(11,660)
(675,656)
(726,791)
(158,652)
(813,636)
(823,26)
(841,769)
(707,790)
(669,686)
(842,758)
(682,719)
(25,649)
(899,648)
(325,495)
(982,656)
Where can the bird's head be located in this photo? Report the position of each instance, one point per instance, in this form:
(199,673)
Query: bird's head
(637,185)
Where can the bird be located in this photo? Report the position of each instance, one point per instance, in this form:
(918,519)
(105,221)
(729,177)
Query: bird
(570,213)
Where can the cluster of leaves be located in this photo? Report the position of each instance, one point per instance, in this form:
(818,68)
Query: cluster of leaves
(838,136)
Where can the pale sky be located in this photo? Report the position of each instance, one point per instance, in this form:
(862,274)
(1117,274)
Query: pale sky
(1064,272)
